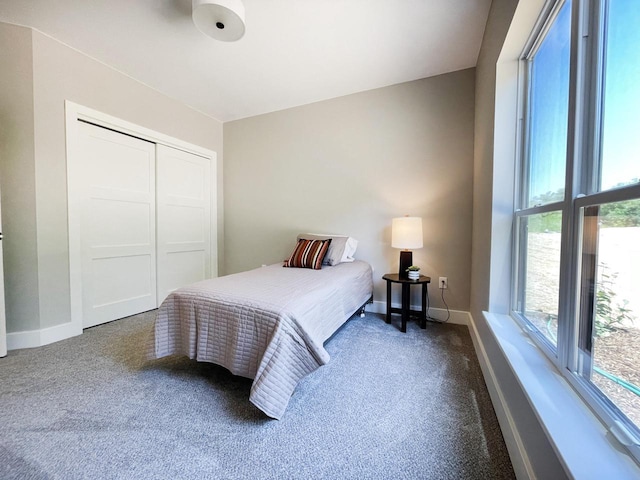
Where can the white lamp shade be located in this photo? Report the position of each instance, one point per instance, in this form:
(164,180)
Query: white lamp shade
(219,19)
(406,232)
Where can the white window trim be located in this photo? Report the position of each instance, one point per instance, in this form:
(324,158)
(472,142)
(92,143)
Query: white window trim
(582,98)
(585,447)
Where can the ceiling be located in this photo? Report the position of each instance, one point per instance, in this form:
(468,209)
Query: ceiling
(294,52)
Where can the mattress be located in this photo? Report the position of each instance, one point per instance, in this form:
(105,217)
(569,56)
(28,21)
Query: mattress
(268,324)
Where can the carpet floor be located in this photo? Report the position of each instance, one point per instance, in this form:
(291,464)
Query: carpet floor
(387,406)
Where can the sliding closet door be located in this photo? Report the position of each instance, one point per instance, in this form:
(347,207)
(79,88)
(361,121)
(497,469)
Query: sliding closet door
(118,229)
(184,219)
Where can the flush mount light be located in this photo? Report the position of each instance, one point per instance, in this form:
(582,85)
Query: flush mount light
(219,19)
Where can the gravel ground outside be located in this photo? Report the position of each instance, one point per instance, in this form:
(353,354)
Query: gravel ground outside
(617,353)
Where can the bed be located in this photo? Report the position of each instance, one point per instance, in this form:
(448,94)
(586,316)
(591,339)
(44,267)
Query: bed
(268,324)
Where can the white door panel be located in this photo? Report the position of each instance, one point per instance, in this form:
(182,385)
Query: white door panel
(185,267)
(184,212)
(128,230)
(117,224)
(122,286)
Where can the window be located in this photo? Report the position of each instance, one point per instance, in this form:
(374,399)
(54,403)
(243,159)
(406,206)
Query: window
(620,158)
(577,218)
(548,112)
(542,189)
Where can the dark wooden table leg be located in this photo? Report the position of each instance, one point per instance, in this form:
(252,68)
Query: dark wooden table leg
(423,315)
(388,318)
(405,306)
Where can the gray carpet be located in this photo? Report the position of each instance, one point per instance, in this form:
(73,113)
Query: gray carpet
(387,406)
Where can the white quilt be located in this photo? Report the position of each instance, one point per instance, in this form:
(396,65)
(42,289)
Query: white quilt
(268,324)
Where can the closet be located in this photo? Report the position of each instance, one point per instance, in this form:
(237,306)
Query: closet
(142,221)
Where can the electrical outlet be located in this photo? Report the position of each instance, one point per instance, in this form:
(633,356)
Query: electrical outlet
(443,282)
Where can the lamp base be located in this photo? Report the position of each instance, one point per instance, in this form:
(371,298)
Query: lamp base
(406,260)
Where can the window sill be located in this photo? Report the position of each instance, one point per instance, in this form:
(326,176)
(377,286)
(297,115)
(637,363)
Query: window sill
(584,446)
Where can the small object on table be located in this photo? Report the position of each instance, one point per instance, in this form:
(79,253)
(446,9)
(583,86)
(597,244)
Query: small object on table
(413,272)
(405,311)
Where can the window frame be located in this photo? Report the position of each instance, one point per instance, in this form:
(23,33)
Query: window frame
(543,26)
(583,167)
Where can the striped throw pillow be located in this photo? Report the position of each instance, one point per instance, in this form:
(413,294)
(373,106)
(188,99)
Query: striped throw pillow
(308,254)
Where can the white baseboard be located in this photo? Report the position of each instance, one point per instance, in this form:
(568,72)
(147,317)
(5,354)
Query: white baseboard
(45,336)
(517,453)
(457,317)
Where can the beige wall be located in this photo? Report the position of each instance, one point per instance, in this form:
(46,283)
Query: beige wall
(491,255)
(61,73)
(349,165)
(17,177)
(498,23)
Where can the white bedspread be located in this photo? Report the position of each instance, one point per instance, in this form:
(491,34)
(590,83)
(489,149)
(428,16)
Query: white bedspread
(268,324)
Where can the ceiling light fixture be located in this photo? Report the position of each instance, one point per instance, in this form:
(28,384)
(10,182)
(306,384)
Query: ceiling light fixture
(219,19)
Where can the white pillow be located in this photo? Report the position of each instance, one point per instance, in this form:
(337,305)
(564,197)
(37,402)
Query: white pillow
(341,250)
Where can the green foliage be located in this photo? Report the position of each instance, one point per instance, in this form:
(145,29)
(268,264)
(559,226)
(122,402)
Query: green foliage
(550,221)
(545,222)
(610,315)
(620,214)
(549,197)
(617,214)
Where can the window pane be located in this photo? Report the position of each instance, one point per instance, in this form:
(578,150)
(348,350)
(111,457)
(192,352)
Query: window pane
(621,103)
(611,272)
(548,113)
(541,275)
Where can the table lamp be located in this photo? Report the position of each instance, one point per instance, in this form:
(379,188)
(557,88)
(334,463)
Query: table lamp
(406,233)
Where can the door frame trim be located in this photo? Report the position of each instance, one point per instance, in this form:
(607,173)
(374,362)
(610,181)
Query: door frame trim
(74,113)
